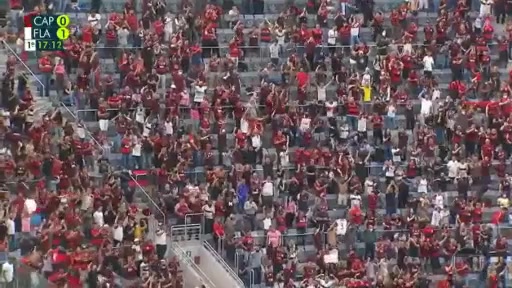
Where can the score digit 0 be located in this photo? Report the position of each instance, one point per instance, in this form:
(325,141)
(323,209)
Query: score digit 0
(63,33)
(63,21)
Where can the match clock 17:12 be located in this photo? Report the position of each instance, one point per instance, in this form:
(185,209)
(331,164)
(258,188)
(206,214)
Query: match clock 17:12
(49,45)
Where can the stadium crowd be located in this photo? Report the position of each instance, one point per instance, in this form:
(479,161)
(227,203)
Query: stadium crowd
(319,157)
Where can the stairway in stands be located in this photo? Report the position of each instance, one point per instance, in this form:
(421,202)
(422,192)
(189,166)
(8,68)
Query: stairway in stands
(42,104)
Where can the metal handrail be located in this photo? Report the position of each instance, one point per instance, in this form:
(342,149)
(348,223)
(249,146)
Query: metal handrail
(221,261)
(85,128)
(225,46)
(42,86)
(220,246)
(182,255)
(237,260)
(23,64)
(251,278)
(104,153)
(188,223)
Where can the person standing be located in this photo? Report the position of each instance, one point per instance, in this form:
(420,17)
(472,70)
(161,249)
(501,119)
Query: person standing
(369,239)
(500,11)
(367,10)
(161,242)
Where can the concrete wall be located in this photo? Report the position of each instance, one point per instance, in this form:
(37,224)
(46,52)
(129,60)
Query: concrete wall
(192,274)
(213,270)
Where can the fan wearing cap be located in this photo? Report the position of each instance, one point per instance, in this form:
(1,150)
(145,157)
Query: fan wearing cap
(136,247)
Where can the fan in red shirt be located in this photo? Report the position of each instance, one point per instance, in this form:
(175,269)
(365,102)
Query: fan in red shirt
(396,68)
(487,150)
(234,51)
(132,21)
(356,215)
(218,230)
(317,33)
(377,121)
(280,141)
(45,65)
(161,66)
(302,78)
(111,35)
(304,34)
(181,209)
(352,108)
(488,29)
(499,216)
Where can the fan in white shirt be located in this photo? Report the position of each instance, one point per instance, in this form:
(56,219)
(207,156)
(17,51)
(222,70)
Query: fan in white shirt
(330,107)
(367,79)
(168,28)
(436,217)
(425,109)
(267,189)
(7,273)
(161,237)
(137,148)
(341,226)
(118,232)
(362,124)
(256,141)
(244,125)
(426,106)
(368,186)
(199,92)
(389,170)
(233,14)
(209,211)
(137,249)
(355,200)
(439,201)
(305,124)
(284,158)
(423,185)
(98,217)
(332,36)
(94,20)
(344,131)
(169,128)
(453,168)
(322,91)
(428,63)
(485,8)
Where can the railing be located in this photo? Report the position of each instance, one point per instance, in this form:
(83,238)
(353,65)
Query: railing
(28,277)
(251,272)
(246,6)
(191,218)
(374,170)
(223,263)
(24,69)
(189,232)
(183,256)
(42,86)
(154,205)
(258,57)
(185,233)
(220,246)
(251,278)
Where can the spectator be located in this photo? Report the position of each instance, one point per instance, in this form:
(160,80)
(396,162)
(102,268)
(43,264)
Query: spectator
(369,239)
(255,263)
(345,138)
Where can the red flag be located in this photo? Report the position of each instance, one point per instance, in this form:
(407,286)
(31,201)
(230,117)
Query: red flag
(27,20)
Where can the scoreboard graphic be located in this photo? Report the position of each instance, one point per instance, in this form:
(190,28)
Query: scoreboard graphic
(45,32)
